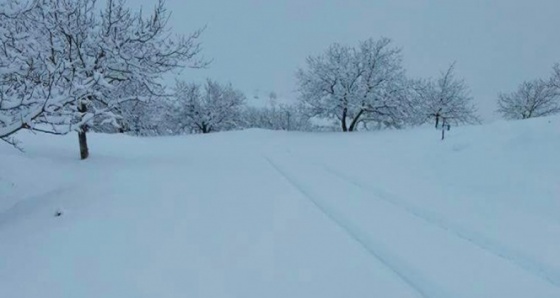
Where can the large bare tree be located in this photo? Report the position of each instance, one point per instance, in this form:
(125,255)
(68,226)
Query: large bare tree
(355,85)
(100,60)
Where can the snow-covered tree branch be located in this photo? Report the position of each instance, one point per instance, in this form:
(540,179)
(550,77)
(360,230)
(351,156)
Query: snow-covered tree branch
(555,80)
(28,80)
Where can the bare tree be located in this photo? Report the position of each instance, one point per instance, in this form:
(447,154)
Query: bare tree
(107,59)
(215,107)
(355,85)
(535,98)
(445,98)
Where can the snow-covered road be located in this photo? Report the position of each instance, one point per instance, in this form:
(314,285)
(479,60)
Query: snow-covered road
(431,258)
(273,214)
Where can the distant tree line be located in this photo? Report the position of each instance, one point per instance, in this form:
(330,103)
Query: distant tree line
(67,66)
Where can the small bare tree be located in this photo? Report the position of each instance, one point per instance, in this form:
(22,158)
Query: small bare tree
(535,98)
(446,98)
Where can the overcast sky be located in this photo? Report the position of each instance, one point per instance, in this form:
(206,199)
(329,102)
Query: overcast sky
(258,45)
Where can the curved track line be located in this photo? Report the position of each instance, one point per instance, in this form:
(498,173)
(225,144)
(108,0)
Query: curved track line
(348,230)
(527,265)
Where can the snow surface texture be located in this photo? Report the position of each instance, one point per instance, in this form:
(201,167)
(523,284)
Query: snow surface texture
(274,214)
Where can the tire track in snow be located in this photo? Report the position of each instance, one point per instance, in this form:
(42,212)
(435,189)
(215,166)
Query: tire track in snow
(382,257)
(533,267)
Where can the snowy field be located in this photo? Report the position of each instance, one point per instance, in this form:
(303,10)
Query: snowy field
(275,214)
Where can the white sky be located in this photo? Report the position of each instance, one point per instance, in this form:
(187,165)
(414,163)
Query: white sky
(258,45)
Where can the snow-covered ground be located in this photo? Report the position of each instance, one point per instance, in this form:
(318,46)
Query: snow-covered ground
(276,214)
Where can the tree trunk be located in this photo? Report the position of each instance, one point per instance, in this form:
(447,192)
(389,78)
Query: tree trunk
(444,126)
(205,128)
(343,120)
(82,138)
(437,121)
(84,151)
(356,121)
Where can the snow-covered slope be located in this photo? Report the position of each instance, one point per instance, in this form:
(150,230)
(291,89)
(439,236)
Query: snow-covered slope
(274,214)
